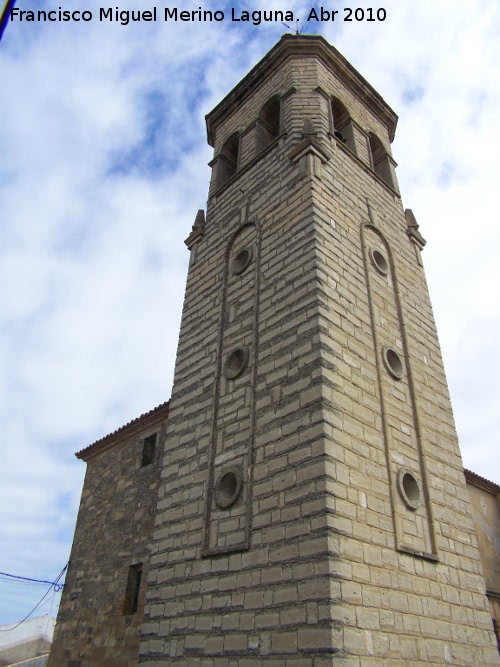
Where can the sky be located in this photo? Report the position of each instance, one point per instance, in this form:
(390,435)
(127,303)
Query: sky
(103,166)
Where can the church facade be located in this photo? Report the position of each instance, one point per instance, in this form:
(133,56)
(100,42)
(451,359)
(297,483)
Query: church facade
(309,506)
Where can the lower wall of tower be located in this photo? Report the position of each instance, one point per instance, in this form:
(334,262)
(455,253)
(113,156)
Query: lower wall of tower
(268,602)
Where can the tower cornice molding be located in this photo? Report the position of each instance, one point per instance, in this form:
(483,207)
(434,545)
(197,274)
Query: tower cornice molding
(307,46)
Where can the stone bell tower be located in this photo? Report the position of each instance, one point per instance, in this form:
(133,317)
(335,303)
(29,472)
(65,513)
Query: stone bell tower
(312,508)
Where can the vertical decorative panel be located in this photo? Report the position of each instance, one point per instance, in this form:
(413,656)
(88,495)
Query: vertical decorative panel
(411,508)
(228,505)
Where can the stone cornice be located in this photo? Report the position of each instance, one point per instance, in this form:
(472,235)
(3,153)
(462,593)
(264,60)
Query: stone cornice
(301,46)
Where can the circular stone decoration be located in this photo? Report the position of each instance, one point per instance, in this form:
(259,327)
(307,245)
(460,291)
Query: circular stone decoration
(235,362)
(241,261)
(228,488)
(409,489)
(379,261)
(393,363)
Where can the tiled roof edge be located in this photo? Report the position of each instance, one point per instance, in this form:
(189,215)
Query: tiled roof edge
(481,482)
(134,426)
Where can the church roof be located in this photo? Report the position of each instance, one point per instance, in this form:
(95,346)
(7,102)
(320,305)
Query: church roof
(481,482)
(131,428)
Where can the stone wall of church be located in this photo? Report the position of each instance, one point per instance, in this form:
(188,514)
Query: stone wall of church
(99,622)
(485,501)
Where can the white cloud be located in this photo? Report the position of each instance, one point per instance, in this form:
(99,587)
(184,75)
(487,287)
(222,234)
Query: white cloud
(103,166)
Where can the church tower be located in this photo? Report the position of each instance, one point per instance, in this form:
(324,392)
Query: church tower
(312,507)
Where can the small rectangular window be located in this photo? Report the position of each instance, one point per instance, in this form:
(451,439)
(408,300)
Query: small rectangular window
(133,588)
(496,628)
(148,450)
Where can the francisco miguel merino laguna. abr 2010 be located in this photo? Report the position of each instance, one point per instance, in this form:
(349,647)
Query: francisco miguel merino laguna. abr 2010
(256,17)
(128,16)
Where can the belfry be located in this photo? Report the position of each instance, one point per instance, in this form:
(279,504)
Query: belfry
(311,508)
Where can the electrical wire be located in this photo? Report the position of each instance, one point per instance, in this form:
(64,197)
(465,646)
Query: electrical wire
(53,584)
(27,579)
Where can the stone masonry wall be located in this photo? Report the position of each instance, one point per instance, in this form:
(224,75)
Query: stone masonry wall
(267,601)
(486,514)
(411,577)
(114,526)
(485,501)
